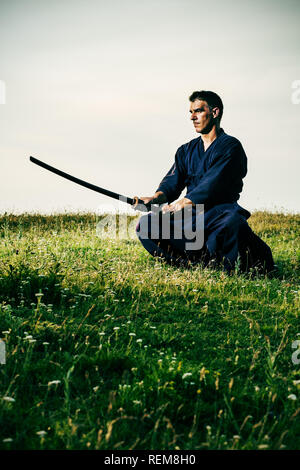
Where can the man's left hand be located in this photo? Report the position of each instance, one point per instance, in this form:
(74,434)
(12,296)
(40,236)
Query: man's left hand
(177,206)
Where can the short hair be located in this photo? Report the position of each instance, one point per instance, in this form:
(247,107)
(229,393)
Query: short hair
(212,99)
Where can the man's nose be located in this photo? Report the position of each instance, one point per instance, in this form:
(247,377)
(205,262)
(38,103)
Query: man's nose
(193,117)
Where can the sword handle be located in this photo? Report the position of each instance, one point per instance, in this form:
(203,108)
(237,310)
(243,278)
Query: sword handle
(139,205)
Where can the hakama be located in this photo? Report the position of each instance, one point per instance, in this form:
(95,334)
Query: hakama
(214,179)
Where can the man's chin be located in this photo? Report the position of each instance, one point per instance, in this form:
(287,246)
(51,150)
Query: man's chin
(205,130)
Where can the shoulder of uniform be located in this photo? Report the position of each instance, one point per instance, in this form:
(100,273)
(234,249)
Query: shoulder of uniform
(229,140)
(189,145)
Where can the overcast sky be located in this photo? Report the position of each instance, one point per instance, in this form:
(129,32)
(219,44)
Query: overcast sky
(100,89)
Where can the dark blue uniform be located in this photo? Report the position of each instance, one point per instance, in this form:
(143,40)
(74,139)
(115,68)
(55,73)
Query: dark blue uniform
(213,178)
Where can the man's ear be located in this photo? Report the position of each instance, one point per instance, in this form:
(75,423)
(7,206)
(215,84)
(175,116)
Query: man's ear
(216,112)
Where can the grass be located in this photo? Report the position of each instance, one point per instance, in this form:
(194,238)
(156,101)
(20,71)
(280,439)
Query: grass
(108,348)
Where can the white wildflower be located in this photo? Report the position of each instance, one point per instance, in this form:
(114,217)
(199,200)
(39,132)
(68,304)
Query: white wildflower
(54,382)
(292,396)
(41,433)
(187,374)
(9,399)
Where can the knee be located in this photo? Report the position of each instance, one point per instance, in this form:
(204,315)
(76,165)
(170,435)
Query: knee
(235,222)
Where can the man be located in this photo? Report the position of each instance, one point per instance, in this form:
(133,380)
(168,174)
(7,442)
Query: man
(211,167)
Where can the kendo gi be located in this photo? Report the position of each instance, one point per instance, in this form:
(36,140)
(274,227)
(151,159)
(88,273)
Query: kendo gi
(213,177)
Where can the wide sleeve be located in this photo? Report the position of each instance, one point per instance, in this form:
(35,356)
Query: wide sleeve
(223,179)
(175,180)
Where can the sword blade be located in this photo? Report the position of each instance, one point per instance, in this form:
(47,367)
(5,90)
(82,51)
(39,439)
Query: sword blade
(93,187)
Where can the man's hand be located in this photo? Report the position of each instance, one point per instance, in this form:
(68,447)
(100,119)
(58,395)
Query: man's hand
(157,198)
(177,206)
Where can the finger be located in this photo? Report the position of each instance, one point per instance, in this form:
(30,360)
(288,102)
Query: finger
(135,199)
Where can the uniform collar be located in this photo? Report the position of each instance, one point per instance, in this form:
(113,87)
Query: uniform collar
(208,148)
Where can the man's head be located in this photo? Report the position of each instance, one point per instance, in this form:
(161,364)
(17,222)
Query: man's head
(206,110)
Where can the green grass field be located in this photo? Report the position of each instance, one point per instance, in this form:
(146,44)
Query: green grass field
(108,348)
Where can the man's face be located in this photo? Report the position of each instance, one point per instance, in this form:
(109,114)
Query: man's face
(202,116)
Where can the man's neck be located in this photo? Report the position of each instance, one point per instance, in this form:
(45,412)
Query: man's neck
(210,136)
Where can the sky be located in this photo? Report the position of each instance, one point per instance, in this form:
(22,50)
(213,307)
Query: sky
(100,90)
